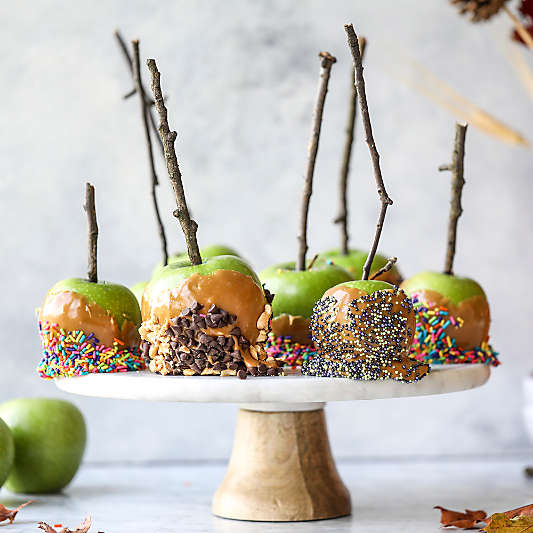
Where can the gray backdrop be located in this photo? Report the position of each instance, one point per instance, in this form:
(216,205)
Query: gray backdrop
(241,80)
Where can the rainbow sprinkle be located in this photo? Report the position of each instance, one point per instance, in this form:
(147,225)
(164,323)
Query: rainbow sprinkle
(73,353)
(288,353)
(432,345)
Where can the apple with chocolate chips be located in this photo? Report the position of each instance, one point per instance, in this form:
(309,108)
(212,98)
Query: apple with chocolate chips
(363,330)
(206,319)
(295,294)
(354,261)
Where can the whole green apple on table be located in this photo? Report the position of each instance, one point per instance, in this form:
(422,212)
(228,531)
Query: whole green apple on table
(7,451)
(49,437)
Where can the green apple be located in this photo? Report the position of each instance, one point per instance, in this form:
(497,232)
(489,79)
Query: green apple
(49,436)
(116,299)
(7,451)
(354,261)
(138,290)
(173,274)
(296,291)
(366,285)
(455,288)
(207,253)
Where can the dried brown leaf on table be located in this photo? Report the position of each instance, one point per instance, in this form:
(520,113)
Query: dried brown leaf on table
(526,510)
(466,520)
(82,528)
(9,514)
(499,523)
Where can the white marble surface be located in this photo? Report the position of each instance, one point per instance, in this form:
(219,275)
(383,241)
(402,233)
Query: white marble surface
(282,389)
(387,496)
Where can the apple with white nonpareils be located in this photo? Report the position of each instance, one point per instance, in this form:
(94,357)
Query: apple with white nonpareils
(363,330)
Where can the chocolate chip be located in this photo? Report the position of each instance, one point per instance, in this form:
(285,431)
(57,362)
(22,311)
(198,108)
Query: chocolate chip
(213,309)
(233,366)
(221,340)
(272,372)
(230,344)
(227,358)
(174,321)
(196,306)
(232,319)
(236,331)
(176,330)
(253,370)
(236,356)
(262,369)
(241,374)
(196,368)
(219,367)
(216,318)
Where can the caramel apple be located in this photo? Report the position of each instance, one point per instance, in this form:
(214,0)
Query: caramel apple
(453,315)
(89,325)
(207,319)
(363,330)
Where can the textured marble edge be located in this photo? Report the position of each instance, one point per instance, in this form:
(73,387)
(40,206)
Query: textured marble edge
(284,389)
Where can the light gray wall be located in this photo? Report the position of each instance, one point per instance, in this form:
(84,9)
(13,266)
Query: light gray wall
(241,80)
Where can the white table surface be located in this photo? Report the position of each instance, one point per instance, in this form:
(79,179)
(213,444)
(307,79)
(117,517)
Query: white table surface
(388,495)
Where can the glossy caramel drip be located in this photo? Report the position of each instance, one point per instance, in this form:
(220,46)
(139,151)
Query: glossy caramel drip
(295,327)
(474,311)
(72,312)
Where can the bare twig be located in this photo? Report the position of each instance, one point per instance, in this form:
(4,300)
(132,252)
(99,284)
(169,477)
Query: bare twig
(385,268)
(148,101)
(326,62)
(168,138)
(520,28)
(312,262)
(363,106)
(92,232)
(458,181)
(342,218)
(148,138)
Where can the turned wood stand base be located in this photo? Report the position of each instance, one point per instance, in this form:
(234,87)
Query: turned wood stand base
(281,469)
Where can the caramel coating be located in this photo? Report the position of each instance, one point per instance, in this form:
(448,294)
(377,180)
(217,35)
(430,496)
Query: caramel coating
(72,312)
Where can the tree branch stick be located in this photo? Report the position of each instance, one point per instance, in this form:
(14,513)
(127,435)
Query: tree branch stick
(520,29)
(148,138)
(326,62)
(342,218)
(385,268)
(168,138)
(458,181)
(374,155)
(92,232)
(148,102)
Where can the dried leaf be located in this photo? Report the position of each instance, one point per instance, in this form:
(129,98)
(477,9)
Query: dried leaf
(9,514)
(526,510)
(499,523)
(82,528)
(466,520)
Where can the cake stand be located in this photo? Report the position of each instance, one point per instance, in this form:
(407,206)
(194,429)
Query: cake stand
(281,467)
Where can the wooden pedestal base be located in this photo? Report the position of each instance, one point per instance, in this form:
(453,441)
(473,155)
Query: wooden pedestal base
(281,469)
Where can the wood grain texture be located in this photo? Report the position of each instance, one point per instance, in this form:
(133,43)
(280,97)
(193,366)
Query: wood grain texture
(281,469)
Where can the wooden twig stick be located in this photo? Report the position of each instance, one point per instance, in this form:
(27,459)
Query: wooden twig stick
(374,155)
(168,138)
(148,101)
(312,262)
(92,232)
(342,218)
(520,28)
(326,62)
(385,268)
(148,138)
(458,181)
